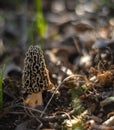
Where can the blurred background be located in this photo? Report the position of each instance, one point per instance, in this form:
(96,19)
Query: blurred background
(49,22)
(74,35)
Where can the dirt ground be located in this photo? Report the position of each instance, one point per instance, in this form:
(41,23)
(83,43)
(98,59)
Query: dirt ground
(79,53)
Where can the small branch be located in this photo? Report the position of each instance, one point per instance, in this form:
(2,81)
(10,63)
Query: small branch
(66,79)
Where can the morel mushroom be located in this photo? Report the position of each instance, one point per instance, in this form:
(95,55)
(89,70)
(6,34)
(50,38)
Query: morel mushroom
(35,77)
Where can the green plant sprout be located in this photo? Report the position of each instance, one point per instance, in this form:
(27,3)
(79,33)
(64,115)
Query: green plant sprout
(40,21)
(78,126)
(107,3)
(76,101)
(84,88)
(1,82)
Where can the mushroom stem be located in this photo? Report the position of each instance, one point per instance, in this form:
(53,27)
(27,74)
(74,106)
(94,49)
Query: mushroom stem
(35,99)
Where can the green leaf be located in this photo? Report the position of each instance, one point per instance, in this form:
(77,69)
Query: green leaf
(40,21)
(1,82)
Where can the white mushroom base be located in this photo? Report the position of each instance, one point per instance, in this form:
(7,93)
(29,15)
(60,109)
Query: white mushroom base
(34,100)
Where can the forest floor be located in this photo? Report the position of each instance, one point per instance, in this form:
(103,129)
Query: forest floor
(79,54)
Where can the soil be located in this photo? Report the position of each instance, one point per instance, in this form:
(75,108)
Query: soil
(79,53)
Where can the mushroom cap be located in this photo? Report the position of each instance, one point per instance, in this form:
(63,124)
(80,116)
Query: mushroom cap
(35,74)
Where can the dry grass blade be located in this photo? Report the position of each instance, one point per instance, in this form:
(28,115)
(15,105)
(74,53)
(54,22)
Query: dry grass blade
(66,79)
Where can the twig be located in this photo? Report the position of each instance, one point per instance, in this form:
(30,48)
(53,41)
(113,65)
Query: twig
(38,120)
(57,117)
(66,79)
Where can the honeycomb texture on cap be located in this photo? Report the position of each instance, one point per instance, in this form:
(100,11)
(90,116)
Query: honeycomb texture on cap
(35,74)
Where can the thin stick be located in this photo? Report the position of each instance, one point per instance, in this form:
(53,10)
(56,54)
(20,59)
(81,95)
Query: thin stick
(66,79)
